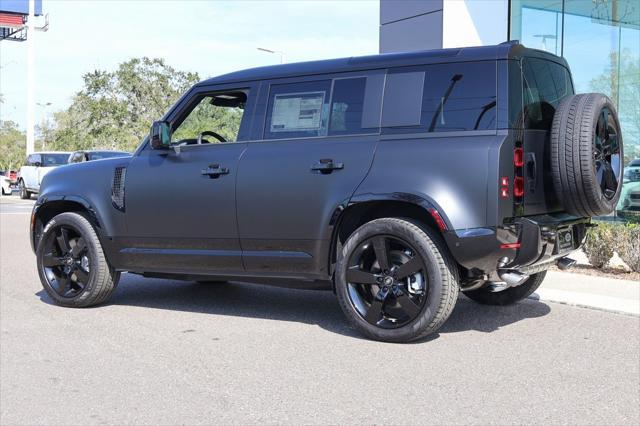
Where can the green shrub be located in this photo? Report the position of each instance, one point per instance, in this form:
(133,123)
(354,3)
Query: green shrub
(627,245)
(600,244)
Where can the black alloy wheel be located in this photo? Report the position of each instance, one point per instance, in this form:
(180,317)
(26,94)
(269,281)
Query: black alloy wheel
(386,280)
(606,154)
(66,261)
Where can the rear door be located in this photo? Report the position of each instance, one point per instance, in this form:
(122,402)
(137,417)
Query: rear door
(545,84)
(318,141)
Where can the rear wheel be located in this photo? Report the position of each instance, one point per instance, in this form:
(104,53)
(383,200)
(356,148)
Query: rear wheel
(508,296)
(71,264)
(395,280)
(25,194)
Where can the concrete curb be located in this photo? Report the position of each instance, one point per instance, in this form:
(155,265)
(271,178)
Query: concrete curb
(586,300)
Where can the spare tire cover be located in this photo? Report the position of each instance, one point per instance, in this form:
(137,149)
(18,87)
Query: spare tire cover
(586,154)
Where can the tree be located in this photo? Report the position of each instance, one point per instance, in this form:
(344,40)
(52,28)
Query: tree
(12,146)
(627,77)
(115,109)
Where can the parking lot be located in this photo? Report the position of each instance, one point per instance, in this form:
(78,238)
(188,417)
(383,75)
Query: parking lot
(169,352)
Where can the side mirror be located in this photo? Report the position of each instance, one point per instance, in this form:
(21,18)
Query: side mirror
(160,135)
(37,164)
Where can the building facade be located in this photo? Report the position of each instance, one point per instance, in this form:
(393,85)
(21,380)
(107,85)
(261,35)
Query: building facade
(599,38)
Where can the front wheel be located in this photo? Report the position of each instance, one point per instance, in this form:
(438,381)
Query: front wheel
(71,263)
(25,194)
(395,280)
(508,296)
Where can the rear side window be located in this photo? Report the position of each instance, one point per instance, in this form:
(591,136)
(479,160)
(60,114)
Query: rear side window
(544,85)
(298,110)
(347,105)
(343,106)
(455,97)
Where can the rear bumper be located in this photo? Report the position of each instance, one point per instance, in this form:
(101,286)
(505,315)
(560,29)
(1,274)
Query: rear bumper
(525,243)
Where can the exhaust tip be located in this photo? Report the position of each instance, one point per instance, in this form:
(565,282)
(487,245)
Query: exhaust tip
(565,263)
(513,278)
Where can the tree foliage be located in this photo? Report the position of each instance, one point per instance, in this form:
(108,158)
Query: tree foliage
(12,146)
(115,108)
(623,73)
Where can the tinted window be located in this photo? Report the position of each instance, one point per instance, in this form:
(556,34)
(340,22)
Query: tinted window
(403,99)
(455,97)
(544,85)
(297,110)
(460,96)
(50,160)
(347,106)
(105,154)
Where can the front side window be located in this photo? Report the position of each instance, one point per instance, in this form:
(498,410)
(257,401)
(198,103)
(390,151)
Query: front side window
(215,118)
(298,110)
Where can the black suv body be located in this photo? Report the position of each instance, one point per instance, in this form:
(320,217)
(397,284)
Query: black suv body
(453,147)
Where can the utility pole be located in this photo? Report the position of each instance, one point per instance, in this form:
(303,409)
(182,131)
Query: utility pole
(31,100)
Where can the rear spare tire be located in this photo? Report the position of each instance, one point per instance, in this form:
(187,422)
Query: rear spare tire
(586,154)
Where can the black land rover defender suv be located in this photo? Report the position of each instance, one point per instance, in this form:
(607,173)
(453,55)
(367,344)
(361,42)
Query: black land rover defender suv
(396,180)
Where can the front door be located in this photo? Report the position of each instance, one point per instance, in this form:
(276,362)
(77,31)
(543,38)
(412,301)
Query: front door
(316,149)
(180,202)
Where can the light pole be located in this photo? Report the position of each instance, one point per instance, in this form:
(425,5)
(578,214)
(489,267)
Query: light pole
(31,77)
(44,107)
(282,58)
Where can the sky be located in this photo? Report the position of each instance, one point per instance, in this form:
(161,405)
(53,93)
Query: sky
(207,37)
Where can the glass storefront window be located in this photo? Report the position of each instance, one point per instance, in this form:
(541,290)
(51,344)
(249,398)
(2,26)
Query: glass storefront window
(601,41)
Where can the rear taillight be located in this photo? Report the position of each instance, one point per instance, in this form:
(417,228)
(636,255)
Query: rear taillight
(518,180)
(518,157)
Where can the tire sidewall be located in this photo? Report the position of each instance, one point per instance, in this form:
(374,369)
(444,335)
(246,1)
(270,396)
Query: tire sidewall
(433,280)
(83,227)
(595,191)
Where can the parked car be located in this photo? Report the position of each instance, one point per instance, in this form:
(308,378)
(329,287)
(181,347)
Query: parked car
(629,204)
(5,183)
(35,167)
(12,175)
(396,180)
(91,155)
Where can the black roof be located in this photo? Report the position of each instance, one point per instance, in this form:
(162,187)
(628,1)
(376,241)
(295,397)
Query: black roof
(505,50)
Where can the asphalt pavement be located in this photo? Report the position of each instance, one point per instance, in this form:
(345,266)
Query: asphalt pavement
(170,352)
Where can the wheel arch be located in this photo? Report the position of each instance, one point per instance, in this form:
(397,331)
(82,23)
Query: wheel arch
(365,208)
(46,210)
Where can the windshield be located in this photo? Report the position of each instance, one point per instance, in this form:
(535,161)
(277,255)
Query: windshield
(52,160)
(106,154)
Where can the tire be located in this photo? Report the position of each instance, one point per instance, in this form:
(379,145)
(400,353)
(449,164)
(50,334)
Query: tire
(94,282)
(438,275)
(587,155)
(25,194)
(508,296)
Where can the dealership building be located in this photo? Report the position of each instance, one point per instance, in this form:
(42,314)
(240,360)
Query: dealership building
(599,38)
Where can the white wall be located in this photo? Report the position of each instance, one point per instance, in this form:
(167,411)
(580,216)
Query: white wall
(474,22)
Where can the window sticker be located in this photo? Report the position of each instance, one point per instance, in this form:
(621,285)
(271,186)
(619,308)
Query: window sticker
(294,112)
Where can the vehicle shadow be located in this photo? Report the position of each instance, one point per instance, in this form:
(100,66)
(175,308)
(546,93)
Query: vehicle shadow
(283,304)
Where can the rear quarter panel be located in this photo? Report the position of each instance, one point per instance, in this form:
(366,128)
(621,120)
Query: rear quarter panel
(452,171)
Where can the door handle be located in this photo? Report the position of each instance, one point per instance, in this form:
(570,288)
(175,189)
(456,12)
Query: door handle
(326,166)
(214,171)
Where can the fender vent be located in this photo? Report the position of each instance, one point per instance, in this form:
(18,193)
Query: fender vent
(117,187)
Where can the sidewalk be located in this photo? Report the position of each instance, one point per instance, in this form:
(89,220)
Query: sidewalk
(607,294)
